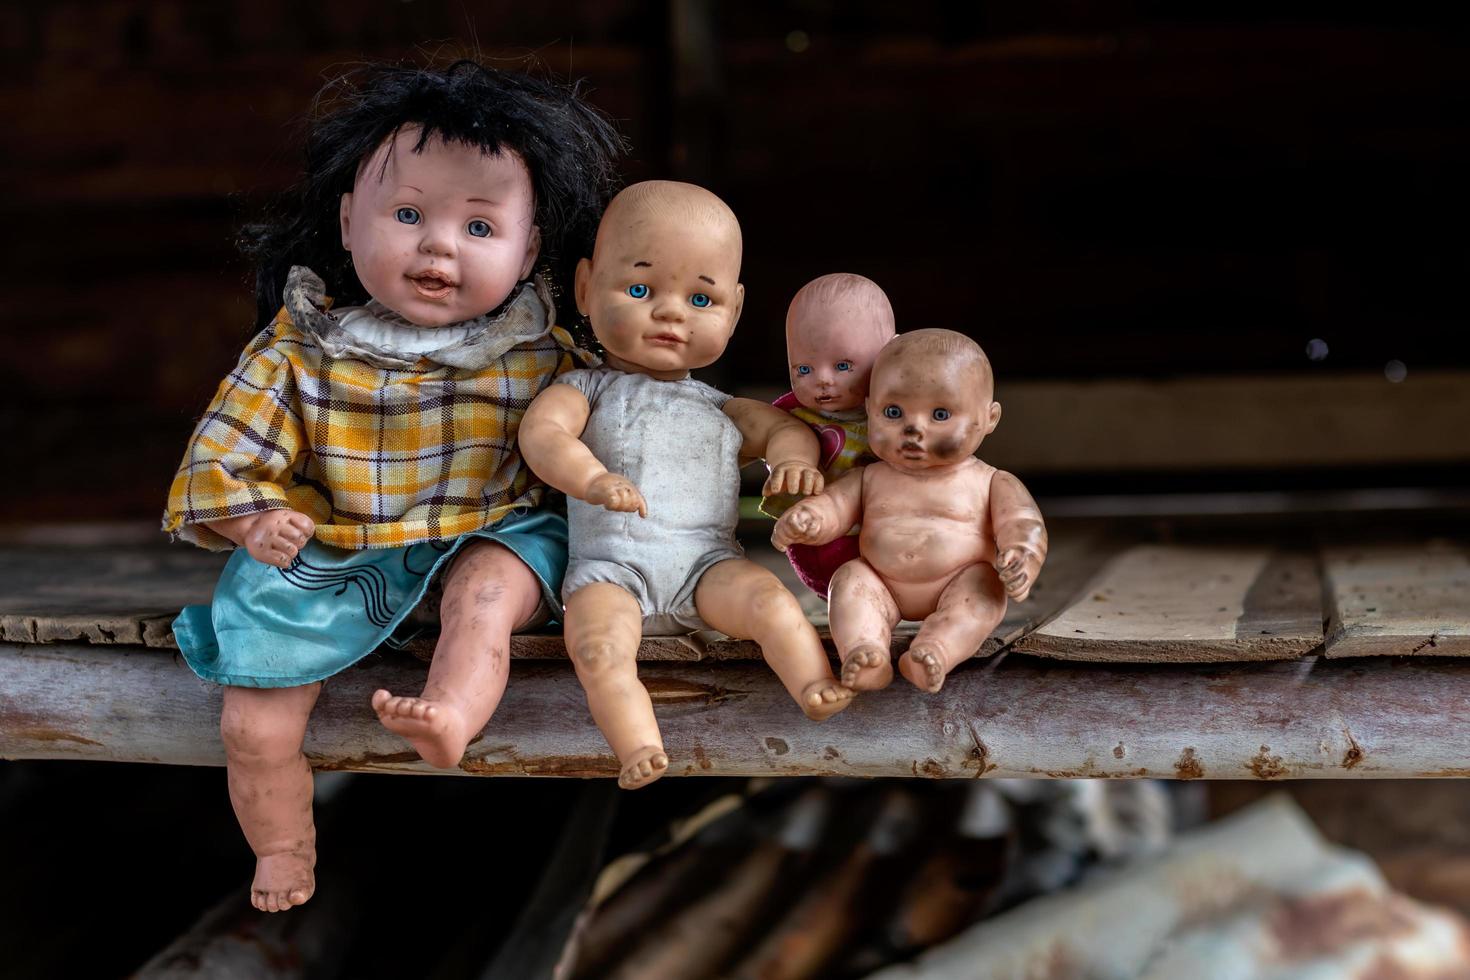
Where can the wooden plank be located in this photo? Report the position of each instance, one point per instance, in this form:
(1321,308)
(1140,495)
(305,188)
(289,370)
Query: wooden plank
(1010,716)
(130,593)
(1398,599)
(1190,603)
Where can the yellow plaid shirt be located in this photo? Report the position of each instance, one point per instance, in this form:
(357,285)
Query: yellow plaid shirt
(843,446)
(378,457)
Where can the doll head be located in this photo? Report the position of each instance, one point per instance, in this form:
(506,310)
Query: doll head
(931,401)
(443,234)
(662,289)
(835,327)
(370,127)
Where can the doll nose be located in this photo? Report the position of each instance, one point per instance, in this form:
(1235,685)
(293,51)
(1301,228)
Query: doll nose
(668,311)
(436,242)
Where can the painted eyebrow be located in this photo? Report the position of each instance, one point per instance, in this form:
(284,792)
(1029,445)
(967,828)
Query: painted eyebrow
(643,264)
(413,188)
(478,200)
(708,280)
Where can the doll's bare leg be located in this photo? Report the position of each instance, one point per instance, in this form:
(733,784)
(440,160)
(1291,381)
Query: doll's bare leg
(488,592)
(969,608)
(741,599)
(862,615)
(270,787)
(604,625)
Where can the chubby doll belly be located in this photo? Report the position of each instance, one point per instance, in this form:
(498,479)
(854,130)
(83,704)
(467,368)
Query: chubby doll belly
(916,553)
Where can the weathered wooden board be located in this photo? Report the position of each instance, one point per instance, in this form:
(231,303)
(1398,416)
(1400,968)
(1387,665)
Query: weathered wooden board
(1010,716)
(1398,599)
(1190,603)
(131,594)
(101,594)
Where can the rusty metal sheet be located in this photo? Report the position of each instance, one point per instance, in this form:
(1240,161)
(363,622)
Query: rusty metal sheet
(1256,896)
(1009,716)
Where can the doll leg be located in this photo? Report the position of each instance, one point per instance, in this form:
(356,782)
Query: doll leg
(741,599)
(604,625)
(970,606)
(488,592)
(862,614)
(270,788)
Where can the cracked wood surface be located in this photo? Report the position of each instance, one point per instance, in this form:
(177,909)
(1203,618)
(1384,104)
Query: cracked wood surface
(1399,599)
(1008,716)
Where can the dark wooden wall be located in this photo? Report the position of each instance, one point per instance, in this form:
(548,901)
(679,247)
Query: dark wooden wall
(1090,188)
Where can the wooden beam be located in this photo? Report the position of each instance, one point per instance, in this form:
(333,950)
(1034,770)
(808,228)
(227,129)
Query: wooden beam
(1009,716)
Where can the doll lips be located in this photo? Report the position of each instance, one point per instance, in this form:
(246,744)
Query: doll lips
(666,340)
(912,450)
(432,285)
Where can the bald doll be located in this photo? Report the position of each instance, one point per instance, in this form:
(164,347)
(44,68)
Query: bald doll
(650,461)
(835,327)
(946,538)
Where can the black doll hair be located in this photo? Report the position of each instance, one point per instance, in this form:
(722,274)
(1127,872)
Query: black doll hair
(570,149)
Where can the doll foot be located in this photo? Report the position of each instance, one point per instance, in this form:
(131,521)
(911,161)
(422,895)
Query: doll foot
(923,665)
(433,728)
(647,764)
(283,881)
(867,669)
(823,699)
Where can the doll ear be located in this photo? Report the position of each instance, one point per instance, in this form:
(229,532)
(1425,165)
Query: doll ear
(994,419)
(346,216)
(582,283)
(533,250)
(737,306)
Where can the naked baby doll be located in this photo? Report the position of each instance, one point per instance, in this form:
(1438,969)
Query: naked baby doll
(361,449)
(945,537)
(649,459)
(835,327)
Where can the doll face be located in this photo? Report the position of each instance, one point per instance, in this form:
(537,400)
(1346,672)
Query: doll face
(443,235)
(926,410)
(660,292)
(831,357)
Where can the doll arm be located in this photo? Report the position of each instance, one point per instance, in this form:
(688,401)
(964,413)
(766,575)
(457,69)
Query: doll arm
(788,444)
(240,458)
(822,518)
(551,444)
(1020,535)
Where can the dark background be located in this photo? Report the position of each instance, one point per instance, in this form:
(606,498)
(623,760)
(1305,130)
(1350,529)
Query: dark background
(1092,189)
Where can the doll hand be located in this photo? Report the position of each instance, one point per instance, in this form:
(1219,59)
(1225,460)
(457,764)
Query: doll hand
(616,493)
(793,478)
(799,525)
(271,536)
(1017,568)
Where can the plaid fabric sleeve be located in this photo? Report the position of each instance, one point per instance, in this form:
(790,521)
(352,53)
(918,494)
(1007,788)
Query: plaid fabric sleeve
(240,457)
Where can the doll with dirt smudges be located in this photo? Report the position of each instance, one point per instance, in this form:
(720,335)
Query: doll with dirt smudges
(649,459)
(364,446)
(946,538)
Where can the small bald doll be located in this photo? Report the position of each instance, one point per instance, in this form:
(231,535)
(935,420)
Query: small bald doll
(946,538)
(650,461)
(835,327)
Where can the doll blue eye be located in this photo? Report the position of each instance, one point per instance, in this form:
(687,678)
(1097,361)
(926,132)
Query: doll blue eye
(893,412)
(803,369)
(700,300)
(638,290)
(478,228)
(940,414)
(844,365)
(407,215)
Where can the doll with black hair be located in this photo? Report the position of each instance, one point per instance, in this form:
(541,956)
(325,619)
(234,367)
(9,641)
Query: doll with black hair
(364,447)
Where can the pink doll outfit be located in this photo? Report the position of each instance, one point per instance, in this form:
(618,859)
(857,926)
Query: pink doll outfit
(843,437)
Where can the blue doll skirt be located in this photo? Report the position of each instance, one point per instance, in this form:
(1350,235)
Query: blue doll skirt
(284,627)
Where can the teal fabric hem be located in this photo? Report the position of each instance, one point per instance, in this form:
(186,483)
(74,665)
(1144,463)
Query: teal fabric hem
(272,627)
